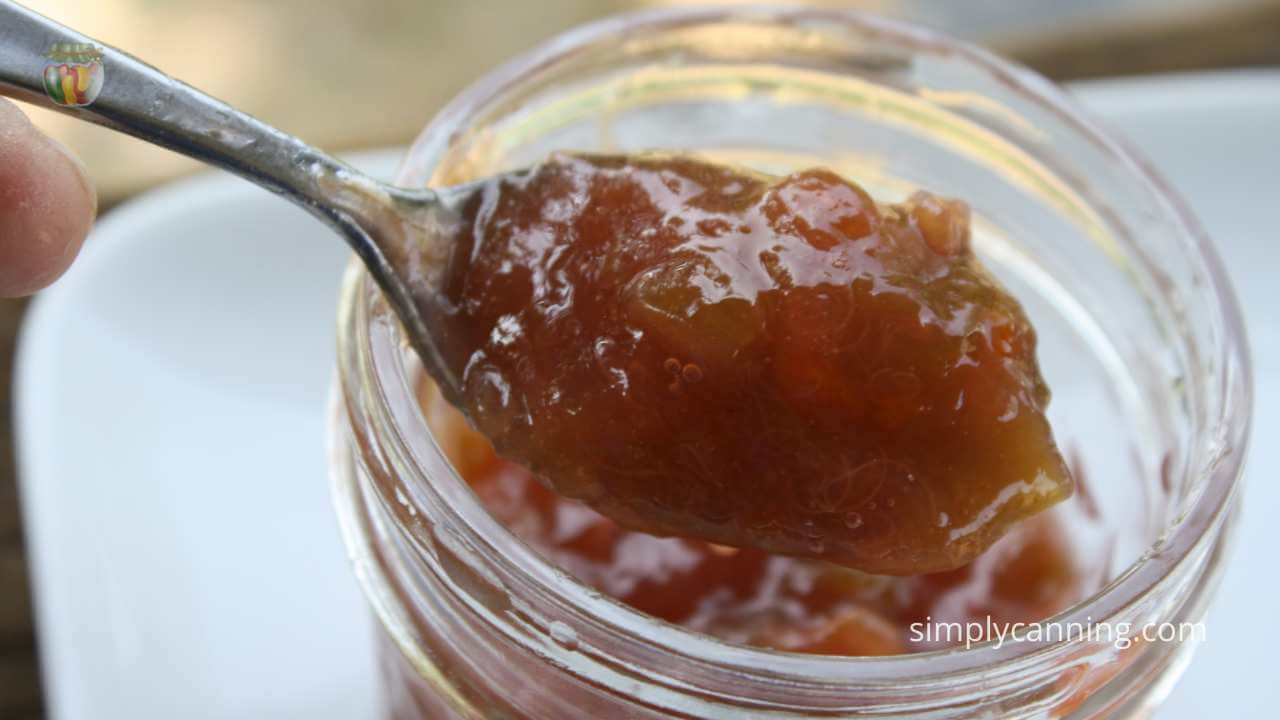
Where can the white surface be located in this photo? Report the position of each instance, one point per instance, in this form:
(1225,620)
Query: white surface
(171,397)
(185,557)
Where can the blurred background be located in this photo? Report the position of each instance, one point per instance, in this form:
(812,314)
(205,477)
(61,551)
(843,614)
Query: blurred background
(348,75)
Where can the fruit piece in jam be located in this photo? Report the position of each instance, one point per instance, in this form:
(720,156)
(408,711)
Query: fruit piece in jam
(774,363)
(771,601)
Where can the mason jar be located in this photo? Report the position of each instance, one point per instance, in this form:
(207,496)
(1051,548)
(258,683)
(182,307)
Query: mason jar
(1141,340)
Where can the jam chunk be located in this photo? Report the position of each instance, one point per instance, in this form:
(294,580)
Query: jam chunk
(776,363)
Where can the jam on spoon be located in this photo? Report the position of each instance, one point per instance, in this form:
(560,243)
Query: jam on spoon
(776,363)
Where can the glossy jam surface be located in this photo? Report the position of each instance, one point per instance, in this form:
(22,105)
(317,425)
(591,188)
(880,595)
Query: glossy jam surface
(773,601)
(777,364)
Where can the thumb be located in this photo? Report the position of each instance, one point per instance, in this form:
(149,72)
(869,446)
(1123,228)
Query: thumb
(47,205)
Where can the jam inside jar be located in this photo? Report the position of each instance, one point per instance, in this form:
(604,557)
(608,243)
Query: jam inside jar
(755,598)
(496,599)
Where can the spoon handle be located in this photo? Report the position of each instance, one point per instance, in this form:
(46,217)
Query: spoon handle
(53,66)
(56,67)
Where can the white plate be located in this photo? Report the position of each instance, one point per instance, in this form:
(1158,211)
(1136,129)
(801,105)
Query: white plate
(169,418)
(171,396)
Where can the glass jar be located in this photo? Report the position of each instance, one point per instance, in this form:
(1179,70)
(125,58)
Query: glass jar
(1141,339)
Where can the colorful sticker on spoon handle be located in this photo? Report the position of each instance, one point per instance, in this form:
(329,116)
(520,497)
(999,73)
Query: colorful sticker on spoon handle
(74,75)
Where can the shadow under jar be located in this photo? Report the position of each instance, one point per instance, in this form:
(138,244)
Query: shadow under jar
(1140,340)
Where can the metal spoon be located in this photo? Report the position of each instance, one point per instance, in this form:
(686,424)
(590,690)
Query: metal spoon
(401,234)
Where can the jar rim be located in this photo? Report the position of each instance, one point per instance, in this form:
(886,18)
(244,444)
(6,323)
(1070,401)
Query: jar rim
(1187,533)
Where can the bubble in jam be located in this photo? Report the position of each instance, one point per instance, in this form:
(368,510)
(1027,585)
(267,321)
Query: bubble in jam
(774,363)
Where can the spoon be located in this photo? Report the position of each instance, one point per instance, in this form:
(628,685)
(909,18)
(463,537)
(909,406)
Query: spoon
(789,367)
(402,235)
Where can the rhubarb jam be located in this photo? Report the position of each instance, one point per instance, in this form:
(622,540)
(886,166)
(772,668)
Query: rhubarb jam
(773,601)
(775,364)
